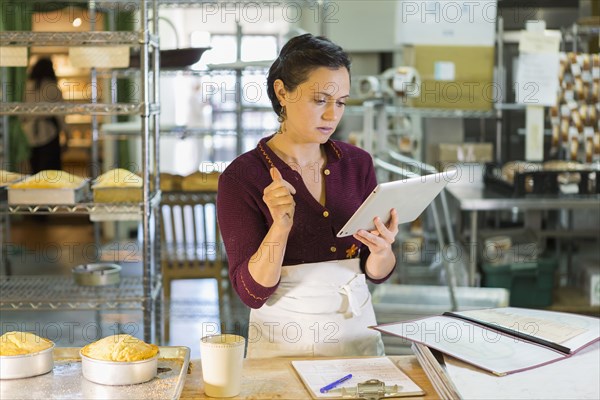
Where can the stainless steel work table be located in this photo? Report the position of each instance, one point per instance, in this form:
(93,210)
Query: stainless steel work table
(474,198)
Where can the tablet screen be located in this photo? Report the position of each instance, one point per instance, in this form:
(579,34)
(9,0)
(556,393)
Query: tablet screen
(408,196)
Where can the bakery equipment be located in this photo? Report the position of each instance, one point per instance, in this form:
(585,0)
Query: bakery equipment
(365,87)
(402,82)
(173,58)
(118,186)
(26,365)
(46,187)
(545,180)
(118,372)
(100,274)
(7,178)
(65,381)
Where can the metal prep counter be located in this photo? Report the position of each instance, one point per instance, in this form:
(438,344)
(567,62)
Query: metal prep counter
(475,198)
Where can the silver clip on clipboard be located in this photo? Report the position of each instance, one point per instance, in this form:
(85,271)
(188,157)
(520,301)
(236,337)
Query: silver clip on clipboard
(373,389)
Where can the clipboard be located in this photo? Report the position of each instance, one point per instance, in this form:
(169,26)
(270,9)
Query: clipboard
(408,196)
(372,378)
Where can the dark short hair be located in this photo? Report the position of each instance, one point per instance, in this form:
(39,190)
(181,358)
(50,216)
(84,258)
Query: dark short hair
(298,58)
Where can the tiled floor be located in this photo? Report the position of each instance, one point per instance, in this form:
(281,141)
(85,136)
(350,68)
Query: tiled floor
(52,246)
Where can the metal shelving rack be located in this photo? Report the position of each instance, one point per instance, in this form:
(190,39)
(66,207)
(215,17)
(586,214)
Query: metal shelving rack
(376,114)
(4,219)
(236,68)
(54,293)
(134,209)
(65,108)
(140,293)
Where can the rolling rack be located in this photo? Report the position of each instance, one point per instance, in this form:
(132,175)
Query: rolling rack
(48,293)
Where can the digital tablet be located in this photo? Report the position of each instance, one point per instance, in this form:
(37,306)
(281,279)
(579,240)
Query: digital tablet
(408,196)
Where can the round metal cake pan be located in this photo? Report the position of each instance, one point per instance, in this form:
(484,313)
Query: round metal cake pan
(115,373)
(99,274)
(27,365)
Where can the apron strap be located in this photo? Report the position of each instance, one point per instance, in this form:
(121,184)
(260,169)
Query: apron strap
(353,305)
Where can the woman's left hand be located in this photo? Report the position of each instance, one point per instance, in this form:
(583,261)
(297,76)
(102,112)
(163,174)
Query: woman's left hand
(380,240)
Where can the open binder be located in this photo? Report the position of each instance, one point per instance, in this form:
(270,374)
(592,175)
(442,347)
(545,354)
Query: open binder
(502,340)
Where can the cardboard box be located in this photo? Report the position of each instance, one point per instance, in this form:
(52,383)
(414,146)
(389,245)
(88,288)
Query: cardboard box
(456,77)
(445,153)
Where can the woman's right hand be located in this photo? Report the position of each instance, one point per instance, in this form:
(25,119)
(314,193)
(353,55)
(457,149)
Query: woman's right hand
(278,196)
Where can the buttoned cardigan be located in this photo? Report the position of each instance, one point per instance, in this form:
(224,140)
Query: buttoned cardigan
(244,218)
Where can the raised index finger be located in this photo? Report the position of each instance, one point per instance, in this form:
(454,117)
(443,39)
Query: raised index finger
(279,181)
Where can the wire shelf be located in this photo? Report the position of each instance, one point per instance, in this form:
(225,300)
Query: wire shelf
(98,209)
(439,112)
(103,3)
(184,132)
(27,38)
(213,3)
(62,293)
(188,197)
(72,108)
(84,208)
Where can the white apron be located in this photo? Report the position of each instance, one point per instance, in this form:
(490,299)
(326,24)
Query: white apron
(319,309)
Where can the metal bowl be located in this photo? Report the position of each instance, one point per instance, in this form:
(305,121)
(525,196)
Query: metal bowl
(115,373)
(97,274)
(173,58)
(27,365)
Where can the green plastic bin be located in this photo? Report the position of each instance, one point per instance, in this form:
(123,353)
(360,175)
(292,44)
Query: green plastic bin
(530,283)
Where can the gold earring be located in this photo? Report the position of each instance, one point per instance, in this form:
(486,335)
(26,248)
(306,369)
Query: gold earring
(281,119)
(282,115)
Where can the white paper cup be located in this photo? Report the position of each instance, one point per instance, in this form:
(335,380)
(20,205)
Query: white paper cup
(222,357)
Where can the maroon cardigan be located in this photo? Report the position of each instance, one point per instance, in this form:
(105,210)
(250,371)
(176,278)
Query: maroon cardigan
(244,218)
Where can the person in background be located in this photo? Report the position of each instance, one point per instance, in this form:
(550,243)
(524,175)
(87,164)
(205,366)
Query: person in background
(281,205)
(43,131)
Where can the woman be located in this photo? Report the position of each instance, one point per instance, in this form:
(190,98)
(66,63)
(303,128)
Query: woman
(281,205)
(43,131)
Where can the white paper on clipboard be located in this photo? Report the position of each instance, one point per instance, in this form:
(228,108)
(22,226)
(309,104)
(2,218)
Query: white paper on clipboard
(316,374)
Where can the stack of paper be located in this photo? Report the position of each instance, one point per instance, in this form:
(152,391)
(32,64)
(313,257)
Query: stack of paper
(435,370)
(574,378)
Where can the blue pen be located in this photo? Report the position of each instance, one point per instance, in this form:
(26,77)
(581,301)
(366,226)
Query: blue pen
(334,384)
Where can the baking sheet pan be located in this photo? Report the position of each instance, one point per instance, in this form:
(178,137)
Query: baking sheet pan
(65,381)
(49,196)
(4,187)
(117,195)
